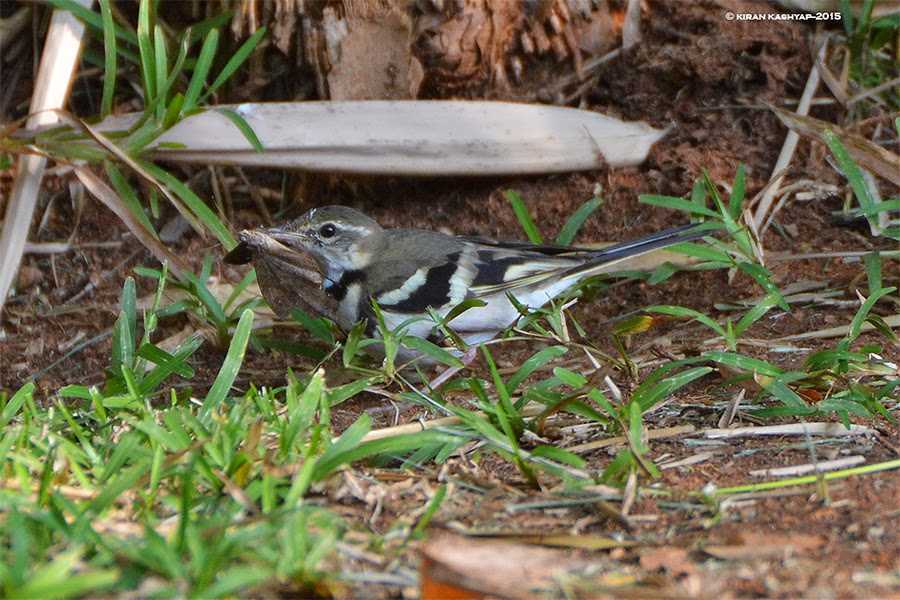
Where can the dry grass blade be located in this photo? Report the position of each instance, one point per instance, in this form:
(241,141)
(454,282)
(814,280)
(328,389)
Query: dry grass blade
(653,434)
(824,429)
(407,138)
(764,205)
(578,541)
(113,149)
(530,410)
(51,88)
(111,200)
(868,154)
(631,28)
(686,462)
(731,410)
(805,469)
(833,332)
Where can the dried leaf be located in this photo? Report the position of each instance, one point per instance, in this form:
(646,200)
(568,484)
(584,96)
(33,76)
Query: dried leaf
(288,279)
(464,568)
(868,154)
(407,137)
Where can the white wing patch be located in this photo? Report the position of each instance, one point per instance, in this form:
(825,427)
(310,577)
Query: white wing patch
(527,269)
(404,291)
(462,279)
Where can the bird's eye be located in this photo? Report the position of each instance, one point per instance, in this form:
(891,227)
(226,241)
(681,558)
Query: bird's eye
(328,230)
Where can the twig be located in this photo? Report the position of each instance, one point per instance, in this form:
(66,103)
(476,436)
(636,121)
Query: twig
(819,467)
(832,332)
(685,462)
(530,410)
(653,434)
(833,429)
(731,410)
(790,145)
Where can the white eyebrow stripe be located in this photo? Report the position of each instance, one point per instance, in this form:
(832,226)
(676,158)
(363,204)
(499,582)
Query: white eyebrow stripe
(356,228)
(406,290)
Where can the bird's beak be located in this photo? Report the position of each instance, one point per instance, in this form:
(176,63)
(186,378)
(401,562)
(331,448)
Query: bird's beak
(284,235)
(256,242)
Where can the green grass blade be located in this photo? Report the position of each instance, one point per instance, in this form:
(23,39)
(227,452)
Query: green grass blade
(235,62)
(316,326)
(707,253)
(166,87)
(243,127)
(230,367)
(201,71)
(505,409)
(872,261)
(574,222)
(129,307)
(764,278)
(120,482)
(559,455)
(109,58)
(755,314)
(541,358)
(851,171)
(678,204)
(162,71)
(431,510)
(524,217)
(198,31)
(15,404)
(235,581)
(339,394)
(860,316)
(680,311)
(93,20)
(747,363)
(431,350)
(344,450)
(808,479)
(738,189)
(65,576)
(129,198)
(847,17)
(648,398)
(194,203)
(207,299)
(148,66)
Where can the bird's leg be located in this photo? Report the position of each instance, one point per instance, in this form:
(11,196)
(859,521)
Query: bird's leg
(441,379)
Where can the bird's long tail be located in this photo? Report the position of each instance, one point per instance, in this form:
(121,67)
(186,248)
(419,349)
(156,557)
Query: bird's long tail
(611,255)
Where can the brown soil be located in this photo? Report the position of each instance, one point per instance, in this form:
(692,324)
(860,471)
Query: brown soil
(711,81)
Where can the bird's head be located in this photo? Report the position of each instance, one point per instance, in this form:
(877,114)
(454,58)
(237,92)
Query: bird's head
(340,239)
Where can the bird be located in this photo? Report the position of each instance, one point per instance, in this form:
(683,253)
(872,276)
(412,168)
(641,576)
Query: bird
(414,275)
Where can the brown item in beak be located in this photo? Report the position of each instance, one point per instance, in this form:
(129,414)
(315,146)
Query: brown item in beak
(289,278)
